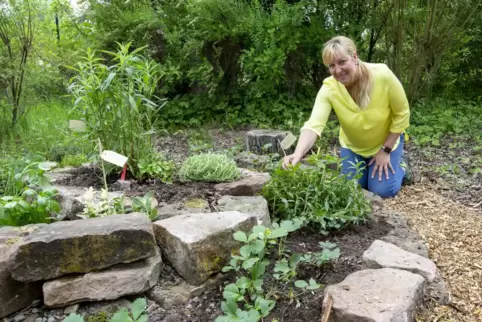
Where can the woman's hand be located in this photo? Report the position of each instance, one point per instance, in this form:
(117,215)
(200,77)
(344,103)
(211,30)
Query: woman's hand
(291,159)
(382,164)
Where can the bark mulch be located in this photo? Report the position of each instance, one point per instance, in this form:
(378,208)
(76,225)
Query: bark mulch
(453,233)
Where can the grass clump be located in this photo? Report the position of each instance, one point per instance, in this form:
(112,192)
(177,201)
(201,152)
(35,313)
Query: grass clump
(318,193)
(209,167)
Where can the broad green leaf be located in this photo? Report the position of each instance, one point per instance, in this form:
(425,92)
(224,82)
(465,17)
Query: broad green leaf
(138,307)
(259,229)
(257,246)
(243,282)
(250,316)
(229,307)
(227,269)
(258,285)
(264,306)
(232,293)
(121,316)
(294,260)
(245,251)
(282,266)
(301,284)
(249,263)
(29,192)
(279,232)
(46,166)
(313,285)
(240,236)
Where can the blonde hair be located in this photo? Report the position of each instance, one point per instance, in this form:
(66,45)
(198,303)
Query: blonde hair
(362,87)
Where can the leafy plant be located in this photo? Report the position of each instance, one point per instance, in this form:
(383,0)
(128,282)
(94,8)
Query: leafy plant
(155,165)
(138,313)
(323,196)
(210,167)
(74,160)
(251,263)
(116,101)
(33,197)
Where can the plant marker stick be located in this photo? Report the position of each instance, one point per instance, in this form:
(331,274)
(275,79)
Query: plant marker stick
(123,175)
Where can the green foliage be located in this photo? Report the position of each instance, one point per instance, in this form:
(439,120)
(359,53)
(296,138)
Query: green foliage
(155,165)
(32,200)
(327,199)
(116,102)
(138,313)
(435,120)
(209,167)
(74,160)
(251,267)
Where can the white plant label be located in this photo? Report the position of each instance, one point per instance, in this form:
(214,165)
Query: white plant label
(114,158)
(288,141)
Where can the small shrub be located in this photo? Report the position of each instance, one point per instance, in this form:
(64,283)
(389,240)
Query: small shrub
(155,165)
(326,198)
(209,167)
(59,152)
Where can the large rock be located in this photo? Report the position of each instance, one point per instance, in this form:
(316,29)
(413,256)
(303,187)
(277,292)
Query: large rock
(177,295)
(386,255)
(191,206)
(251,160)
(199,245)
(14,295)
(254,205)
(250,184)
(376,295)
(109,284)
(82,246)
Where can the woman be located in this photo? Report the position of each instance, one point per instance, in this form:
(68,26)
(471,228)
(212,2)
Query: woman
(373,112)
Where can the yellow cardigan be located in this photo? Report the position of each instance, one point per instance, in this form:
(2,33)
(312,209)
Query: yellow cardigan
(363,131)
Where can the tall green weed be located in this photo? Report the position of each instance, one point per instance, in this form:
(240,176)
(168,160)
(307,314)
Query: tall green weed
(118,102)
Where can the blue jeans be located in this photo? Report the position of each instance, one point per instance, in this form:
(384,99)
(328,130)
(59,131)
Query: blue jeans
(385,188)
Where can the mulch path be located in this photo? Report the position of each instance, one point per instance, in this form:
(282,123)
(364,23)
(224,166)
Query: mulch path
(453,233)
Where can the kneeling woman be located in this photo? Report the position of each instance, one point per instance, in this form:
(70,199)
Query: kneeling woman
(373,112)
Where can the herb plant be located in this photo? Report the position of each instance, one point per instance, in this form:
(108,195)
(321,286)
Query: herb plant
(327,199)
(210,167)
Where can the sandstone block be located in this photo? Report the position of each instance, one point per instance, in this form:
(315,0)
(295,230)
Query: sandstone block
(376,295)
(386,255)
(110,284)
(249,185)
(14,295)
(81,246)
(254,205)
(200,245)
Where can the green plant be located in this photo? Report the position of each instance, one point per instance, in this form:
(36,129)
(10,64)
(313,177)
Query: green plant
(155,165)
(327,199)
(209,167)
(138,313)
(74,160)
(32,200)
(251,264)
(116,101)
